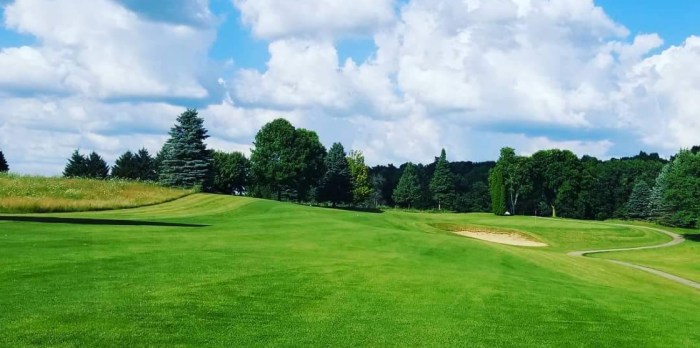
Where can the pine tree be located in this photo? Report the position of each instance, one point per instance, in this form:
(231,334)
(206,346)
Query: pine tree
(359,172)
(96,167)
(442,184)
(125,167)
(145,166)
(497,188)
(3,164)
(658,206)
(77,166)
(187,162)
(336,184)
(408,190)
(637,206)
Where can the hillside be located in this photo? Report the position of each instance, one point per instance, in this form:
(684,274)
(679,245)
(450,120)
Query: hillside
(230,271)
(35,194)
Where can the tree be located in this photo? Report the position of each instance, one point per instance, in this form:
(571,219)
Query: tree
(359,173)
(96,167)
(408,190)
(516,174)
(3,164)
(442,184)
(146,168)
(683,180)
(309,158)
(658,207)
(497,188)
(336,185)
(231,171)
(638,204)
(187,162)
(125,167)
(556,175)
(378,182)
(77,166)
(285,158)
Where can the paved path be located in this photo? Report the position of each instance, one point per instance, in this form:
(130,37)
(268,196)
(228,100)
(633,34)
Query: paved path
(676,239)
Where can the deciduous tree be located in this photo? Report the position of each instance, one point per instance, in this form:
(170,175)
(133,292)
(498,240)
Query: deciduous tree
(359,173)
(231,172)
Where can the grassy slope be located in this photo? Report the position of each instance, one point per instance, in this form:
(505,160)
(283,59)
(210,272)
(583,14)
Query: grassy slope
(267,273)
(682,260)
(32,194)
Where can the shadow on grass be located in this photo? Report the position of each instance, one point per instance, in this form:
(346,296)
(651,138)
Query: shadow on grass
(82,221)
(692,237)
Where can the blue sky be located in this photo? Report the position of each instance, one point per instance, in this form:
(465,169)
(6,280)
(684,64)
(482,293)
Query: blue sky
(397,80)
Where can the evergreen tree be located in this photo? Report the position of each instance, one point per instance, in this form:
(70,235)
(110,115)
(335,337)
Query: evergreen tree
(187,162)
(231,171)
(658,207)
(3,164)
(683,190)
(359,172)
(77,166)
(146,168)
(125,167)
(96,167)
(442,185)
(336,185)
(637,206)
(408,190)
(378,182)
(497,188)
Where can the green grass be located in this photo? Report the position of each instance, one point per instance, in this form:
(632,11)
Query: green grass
(262,273)
(682,260)
(36,194)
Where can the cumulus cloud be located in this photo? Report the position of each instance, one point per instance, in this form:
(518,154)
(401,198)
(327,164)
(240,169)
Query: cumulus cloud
(100,49)
(272,19)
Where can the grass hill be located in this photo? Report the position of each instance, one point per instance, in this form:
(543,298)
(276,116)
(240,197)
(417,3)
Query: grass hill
(35,194)
(230,271)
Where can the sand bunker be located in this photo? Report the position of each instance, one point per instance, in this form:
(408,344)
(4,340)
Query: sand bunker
(502,238)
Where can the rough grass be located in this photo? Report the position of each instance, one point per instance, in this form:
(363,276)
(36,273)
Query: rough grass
(262,273)
(35,194)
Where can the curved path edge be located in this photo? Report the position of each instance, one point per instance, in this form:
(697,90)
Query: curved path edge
(675,240)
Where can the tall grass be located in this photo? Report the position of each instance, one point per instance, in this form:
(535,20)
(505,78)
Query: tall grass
(36,194)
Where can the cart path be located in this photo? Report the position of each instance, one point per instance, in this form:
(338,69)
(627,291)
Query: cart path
(675,240)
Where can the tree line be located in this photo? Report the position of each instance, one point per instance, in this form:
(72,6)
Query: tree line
(289,163)
(558,183)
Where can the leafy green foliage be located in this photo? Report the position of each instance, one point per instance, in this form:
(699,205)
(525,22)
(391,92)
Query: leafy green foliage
(683,190)
(408,190)
(4,167)
(139,166)
(516,176)
(362,187)
(286,159)
(336,185)
(442,184)
(186,161)
(658,206)
(231,172)
(497,188)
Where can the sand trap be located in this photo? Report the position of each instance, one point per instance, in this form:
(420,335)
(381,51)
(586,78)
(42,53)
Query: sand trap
(502,238)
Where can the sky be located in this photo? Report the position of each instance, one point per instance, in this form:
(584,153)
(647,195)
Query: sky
(395,79)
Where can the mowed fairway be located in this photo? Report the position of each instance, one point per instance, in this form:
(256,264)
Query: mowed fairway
(228,271)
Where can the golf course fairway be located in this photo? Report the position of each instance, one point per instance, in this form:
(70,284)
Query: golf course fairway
(208,270)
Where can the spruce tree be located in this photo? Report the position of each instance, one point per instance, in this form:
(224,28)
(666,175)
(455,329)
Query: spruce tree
(3,164)
(96,167)
(497,188)
(637,206)
(658,206)
(408,190)
(336,184)
(442,184)
(125,167)
(187,163)
(77,166)
(145,166)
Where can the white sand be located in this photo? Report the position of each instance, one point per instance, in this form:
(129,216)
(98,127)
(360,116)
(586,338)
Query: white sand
(502,238)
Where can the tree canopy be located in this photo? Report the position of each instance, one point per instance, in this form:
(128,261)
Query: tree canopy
(336,185)
(231,172)
(442,184)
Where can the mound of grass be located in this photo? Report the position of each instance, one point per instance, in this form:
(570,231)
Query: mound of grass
(35,194)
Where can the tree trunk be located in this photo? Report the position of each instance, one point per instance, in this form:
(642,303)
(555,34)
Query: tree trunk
(439,206)
(554,211)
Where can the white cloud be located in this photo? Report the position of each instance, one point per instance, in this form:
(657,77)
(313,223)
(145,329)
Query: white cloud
(97,48)
(272,19)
